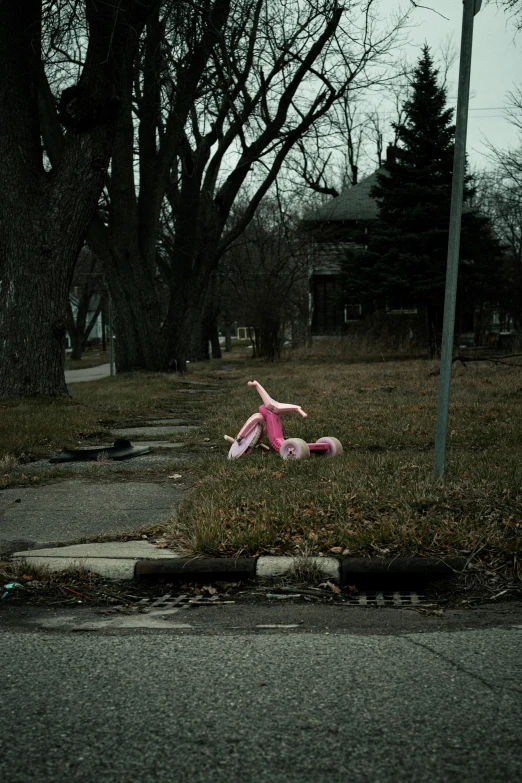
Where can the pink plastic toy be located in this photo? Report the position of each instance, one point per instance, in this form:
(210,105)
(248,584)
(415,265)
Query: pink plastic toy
(268,421)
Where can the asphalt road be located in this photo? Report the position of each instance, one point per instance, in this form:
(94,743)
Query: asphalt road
(216,703)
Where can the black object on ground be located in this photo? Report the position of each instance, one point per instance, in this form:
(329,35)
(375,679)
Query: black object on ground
(122,449)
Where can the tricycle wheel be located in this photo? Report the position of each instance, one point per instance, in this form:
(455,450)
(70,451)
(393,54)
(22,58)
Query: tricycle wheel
(335,448)
(294,448)
(246,444)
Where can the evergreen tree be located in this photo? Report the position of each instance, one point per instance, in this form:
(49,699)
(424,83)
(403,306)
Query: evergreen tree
(405,264)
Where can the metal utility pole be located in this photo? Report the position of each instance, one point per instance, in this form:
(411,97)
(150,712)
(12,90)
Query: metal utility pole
(471,7)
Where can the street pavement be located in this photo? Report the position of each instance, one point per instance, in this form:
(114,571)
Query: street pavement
(353,700)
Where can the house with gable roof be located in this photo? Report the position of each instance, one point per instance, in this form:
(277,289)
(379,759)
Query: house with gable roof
(335,229)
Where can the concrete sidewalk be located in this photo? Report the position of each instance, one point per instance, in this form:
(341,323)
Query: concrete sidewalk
(38,523)
(75,509)
(88,374)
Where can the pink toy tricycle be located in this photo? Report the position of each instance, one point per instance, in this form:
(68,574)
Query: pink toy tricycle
(267,420)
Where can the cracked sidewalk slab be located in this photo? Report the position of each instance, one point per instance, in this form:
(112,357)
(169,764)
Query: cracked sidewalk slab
(152,432)
(75,509)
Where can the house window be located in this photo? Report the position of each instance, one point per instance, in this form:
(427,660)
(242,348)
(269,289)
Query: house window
(352,312)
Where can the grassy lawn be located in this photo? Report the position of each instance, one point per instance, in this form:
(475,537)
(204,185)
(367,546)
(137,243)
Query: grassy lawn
(380,496)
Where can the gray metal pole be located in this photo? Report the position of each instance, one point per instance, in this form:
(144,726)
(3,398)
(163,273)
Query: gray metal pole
(471,7)
(111,337)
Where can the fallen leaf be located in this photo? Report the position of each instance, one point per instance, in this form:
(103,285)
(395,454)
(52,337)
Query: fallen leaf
(336,549)
(331,586)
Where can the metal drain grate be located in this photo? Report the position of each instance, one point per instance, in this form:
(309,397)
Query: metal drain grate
(397,598)
(170,601)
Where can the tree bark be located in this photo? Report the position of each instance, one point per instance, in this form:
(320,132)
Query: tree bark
(35,289)
(79,328)
(214,342)
(44,215)
(228,338)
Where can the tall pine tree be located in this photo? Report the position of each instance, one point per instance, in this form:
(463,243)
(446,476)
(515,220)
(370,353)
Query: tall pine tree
(405,265)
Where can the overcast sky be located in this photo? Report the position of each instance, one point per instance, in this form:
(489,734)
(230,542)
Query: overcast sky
(496,65)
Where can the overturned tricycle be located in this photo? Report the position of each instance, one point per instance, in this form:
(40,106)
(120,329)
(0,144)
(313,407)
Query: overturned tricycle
(267,421)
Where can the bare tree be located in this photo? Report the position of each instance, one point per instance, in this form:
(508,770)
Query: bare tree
(221,95)
(359,127)
(514,10)
(87,301)
(48,202)
(265,278)
(500,196)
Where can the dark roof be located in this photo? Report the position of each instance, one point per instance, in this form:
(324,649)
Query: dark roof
(355,203)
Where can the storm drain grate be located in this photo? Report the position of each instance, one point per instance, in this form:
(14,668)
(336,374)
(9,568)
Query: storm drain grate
(397,598)
(170,601)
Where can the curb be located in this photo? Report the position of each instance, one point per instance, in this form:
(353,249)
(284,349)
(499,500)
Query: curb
(137,559)
(342,570)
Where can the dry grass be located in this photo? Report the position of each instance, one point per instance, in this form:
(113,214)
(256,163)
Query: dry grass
(8,462)
(355,348)
(380,497)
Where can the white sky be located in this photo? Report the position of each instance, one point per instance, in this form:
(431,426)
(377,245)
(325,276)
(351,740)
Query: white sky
(496,65)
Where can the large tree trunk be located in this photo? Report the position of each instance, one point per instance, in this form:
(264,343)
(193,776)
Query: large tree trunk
(44,216)
(79,328)
(140,343)
(77,347)
(184,324)
(209,331)
(127,249)
(214,342)
(228,338)
(33,301)
(143,335)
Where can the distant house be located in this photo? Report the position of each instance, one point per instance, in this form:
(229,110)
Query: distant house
(333,230)
(337,229)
